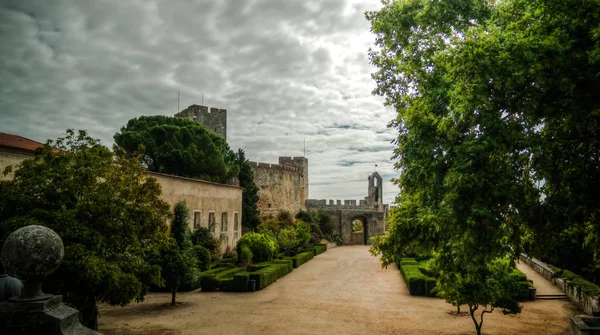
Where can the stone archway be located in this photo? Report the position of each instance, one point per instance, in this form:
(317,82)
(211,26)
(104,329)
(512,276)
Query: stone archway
(360,230)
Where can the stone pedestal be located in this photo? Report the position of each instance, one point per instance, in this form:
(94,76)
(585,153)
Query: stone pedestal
(32,253)
(48,317)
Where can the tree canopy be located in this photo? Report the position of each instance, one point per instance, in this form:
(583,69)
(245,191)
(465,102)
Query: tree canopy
(178,146)
(250,212)
(498,125)
(109,216)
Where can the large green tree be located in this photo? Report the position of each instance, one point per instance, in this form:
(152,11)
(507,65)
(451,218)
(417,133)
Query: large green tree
(179,146)
(250,212)
(107,212)
(491,98)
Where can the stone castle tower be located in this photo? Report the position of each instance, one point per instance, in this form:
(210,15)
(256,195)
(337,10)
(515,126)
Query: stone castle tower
(282,187)
(214,119)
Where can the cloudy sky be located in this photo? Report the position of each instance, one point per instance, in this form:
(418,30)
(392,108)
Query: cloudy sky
(286,71)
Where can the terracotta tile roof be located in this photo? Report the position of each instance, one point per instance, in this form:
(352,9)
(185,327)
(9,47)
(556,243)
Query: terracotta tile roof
(18,142)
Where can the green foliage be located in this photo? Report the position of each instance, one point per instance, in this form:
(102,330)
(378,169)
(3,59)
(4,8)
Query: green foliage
(250,212)
(320,225)
(203,257)
(269,274)
(586,287)
(179,146)
(180,229)
(492,98)
(229,253)
(214,281)
(320,248)
(245,256)
(301,258)
(418,283)
(179,267)
(202,236)
(303,233)
(108,214)
(357,225)
(179,260)
(287,239)
(335,237)
(262,246)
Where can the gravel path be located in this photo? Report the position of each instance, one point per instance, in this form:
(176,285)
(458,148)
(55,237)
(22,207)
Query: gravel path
(343,291)
(542,285)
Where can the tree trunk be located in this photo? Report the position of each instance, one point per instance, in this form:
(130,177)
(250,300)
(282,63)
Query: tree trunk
(457,309)
(472,310)
(173,295)
(89,315)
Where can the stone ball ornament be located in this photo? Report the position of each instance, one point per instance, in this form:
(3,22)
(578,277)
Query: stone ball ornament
(31,253)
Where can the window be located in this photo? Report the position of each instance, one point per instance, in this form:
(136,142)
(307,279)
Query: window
(211,221)
(224,221)
(235,222)
(197,219)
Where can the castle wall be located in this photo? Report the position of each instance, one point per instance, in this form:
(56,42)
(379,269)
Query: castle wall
(283,186)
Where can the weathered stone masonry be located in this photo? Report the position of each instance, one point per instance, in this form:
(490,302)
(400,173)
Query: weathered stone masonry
(283,186)
(371,211)
(214,119)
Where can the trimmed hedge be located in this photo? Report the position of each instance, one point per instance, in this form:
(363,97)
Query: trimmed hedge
(213,281)
(269,274)
(586,287)
(320,248)
(301,258)
(239,283)
(226,276)
(417,282)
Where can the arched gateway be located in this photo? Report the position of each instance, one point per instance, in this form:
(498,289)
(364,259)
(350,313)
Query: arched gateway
(370,212)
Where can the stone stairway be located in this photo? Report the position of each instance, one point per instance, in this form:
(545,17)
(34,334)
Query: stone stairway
(560,296)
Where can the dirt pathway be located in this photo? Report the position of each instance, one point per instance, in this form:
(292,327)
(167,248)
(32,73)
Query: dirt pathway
(343,291)
(542,285)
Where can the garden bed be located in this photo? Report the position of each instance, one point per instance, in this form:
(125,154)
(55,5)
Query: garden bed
(231,278)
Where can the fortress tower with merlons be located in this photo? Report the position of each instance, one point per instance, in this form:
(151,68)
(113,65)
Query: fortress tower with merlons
(282,186)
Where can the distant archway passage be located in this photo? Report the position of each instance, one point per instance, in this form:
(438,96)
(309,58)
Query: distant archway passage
(370,212)
(360,231)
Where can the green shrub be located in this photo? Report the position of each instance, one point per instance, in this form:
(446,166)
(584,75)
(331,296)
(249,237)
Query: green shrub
(203,256)
(262,246)
(586,287)
(407,261)
(230,253)
(334,236)
(214,281)
(418,283)
(320,248)
(287,238)
(269,274)
(303,234)
(301,258)
(245,257)
(239,283)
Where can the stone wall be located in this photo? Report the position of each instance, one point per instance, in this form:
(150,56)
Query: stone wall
(589,304)
(203,198)
(283,186)
(373,222)
(11,157)
(214,119)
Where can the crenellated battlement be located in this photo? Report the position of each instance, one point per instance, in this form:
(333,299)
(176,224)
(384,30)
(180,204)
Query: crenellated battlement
(332,204)
(270,166)
(212,118)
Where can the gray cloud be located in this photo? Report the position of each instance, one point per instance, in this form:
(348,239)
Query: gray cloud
(286,71)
